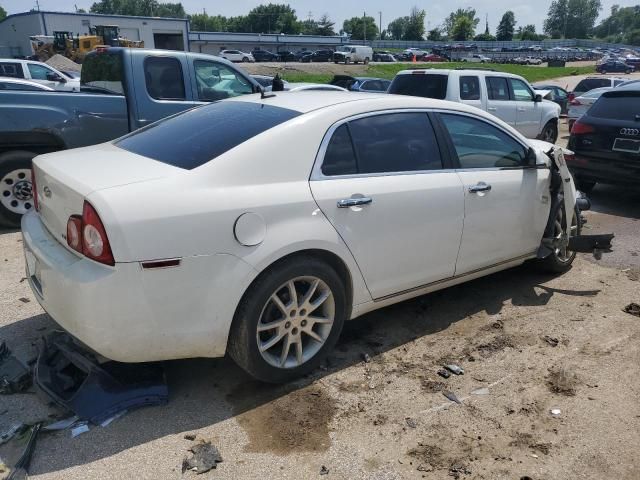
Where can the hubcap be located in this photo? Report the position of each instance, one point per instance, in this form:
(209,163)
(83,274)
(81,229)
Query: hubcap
(562,253)
(16,193)
(295,322)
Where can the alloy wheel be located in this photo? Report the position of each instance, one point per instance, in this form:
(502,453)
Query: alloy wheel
(562,253)
(16,193)
(295,322)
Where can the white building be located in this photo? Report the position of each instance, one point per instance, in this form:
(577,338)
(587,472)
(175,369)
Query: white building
(156,32)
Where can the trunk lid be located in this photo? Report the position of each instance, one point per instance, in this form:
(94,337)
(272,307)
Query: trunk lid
(64,179)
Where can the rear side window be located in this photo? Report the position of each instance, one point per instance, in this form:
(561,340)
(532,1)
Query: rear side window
(340,159)
(591,83)
(420,85)
(469,88)
(13,70)
(193,138)
(617,106)
(103,72)
(163,77)
(497,88)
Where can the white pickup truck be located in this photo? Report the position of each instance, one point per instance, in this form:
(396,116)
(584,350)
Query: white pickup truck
(38,72)
(508,97)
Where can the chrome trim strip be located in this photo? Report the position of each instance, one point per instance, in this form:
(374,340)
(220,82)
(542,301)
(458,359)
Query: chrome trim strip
(455,277)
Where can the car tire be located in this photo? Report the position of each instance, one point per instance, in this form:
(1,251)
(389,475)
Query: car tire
(550,132)
(627,72)
(15,187)
(245,59)
(603,72)
(366,61)
(585,186)
(258,308)
(558,261)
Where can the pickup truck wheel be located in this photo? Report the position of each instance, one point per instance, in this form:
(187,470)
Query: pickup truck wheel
(16,197)
(288,320)
(550,132)
(560,261)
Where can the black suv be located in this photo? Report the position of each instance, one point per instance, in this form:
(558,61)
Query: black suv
(318,56)
(606,140)
(264,56)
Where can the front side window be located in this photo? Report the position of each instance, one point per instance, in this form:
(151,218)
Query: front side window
(521,92)
(216,81)
(479,144)
(163,77)
(38,72)
(497,88)
(469,88)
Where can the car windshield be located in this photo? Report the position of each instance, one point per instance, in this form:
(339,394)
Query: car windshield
(420,85)
(344,49)
(197,136)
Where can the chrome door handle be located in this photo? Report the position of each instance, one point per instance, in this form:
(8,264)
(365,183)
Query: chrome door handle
(521,109)
(492,109)
(480,187)
(354,202)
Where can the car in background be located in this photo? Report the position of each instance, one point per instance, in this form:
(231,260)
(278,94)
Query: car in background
(39,72)
(532,61)
(300,87)
(21,84)
(606,141)
(434,57)
(476,58)
(614,66)
(288,56)
(266,81)
(386,57)
(556,94)
(417,52)
(237,56)
(365,201)
(353,54)
(509,97)
(590,83)
(378,53)
(361,84)
(318,56)
(633,61)
(264,56)
(580,104)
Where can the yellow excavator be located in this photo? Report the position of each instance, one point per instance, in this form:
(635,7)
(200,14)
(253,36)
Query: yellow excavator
(75,48)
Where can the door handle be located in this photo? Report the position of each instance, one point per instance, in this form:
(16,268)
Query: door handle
(480,187)
(354,202)
(492,109)
(521,109)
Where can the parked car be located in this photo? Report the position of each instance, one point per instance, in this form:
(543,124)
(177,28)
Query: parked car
(123,89)
(179,240)
(264,56)
(353,54)
(606,141)
(318,56)
(580,104)
(417,52)
(532,60)
(614,66)
(556,94)
(432,57)
(237,56)
(476,59)
(590,83)
(38,72)
(361,84)
(508,97)
(288,56)
(378,53)
(386,57)
(21,84)
(633,61)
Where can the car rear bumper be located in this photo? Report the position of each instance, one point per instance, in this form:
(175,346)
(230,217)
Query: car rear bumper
(604,170)
(130,314)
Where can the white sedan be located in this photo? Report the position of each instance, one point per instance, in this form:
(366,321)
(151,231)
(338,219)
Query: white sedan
(237,56)
(258,226)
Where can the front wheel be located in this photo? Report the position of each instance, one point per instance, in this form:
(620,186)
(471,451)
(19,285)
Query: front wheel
(561,259)
(245,59)
(288,320)
(16,196)
(550,132)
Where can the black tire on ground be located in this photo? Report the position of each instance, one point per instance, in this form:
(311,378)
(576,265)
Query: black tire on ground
(243,343)
(9,161)
(553,263)
(550,132)
(584,185)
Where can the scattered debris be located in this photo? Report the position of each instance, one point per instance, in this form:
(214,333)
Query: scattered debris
(324,470)
(551,340)
(433,386)
(451,396)
(10,432)
(16,453)
(73,379)
(380,419)
(544,448)
(498,324)
(190,436)
(633,309)
(453,368)
(61,424)
(444,373)
(556,412)
(480,391)
(109,420)
(14,376)
(366,357)
(562,381)
(24,300)
(411,422)
(79,429)
(458,469)
(425,467)
(204,457)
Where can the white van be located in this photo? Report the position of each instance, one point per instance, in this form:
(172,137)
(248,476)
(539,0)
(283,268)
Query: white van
(353,54)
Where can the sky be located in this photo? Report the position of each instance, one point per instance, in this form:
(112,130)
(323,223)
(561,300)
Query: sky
(338,10)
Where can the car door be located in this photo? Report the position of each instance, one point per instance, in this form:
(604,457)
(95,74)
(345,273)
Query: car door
(39,73)
(380,181)
(506,200)
(528,112)
(499,101)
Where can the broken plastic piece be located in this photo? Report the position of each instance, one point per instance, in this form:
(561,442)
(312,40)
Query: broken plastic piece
(16,453)
(633,309)
(72,378)
(79,429)
(108,421)
(589,243)
(14,376)
(205,457)
(555,412)
(480,391)
(451,396)
(9,433)
(453,368)
(444,373)
(61,424)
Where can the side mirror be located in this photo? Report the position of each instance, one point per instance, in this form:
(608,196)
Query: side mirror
(532,157)
(53,77)
(537,98)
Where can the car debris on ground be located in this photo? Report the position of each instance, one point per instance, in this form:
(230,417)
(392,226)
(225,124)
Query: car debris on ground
(633,309)
(451,396)
(14,376)
(204,457)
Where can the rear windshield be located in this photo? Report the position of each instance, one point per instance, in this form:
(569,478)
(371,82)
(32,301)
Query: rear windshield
(103,72)
(193,138)
(591,83)
(617,106)
(420,85)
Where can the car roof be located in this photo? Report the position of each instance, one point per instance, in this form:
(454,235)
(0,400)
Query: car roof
(464,71)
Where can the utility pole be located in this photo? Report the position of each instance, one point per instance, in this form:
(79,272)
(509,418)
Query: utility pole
(38,5)
(380,13)
(364,26)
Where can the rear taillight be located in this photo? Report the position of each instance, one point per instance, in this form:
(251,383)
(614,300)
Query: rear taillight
(580,128)
(87,235)
(34,189)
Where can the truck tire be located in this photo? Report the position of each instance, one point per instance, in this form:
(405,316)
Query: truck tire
(366,61)
(16,197)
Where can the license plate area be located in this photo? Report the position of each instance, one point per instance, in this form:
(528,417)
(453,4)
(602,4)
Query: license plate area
(33,270)
(627,145)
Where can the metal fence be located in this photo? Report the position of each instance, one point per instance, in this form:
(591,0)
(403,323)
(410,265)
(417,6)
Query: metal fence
(545,44)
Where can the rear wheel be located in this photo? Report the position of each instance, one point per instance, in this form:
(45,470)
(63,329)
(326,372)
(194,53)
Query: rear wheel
(550,132)
(16,197)
(288,320)
(561,259)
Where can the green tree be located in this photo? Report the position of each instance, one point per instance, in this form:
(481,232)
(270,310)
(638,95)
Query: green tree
(398,27)
(435,35)
(415,25)
(145,8)
(463,27)
(3,14)
(528,32)
(507,25)
(620,25)
(273,18)
(201,22)
(572,18)
(325,26)
(361,27)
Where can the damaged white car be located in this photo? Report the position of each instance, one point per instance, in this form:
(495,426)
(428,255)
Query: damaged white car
(257,226)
